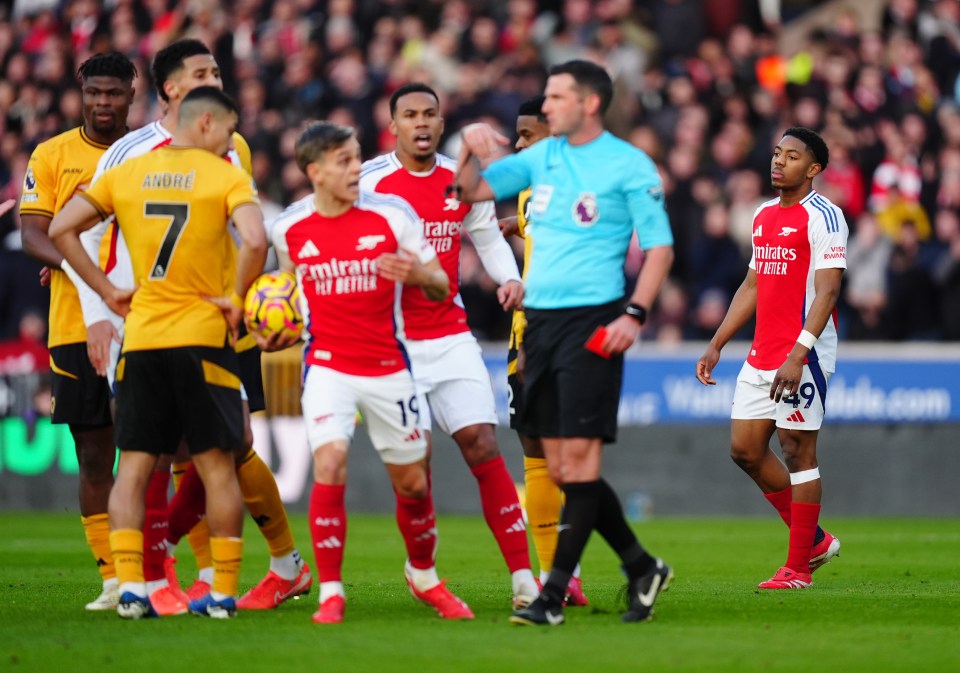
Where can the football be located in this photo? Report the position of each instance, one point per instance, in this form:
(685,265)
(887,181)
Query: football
(272,305)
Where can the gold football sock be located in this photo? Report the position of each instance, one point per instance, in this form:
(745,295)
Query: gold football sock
(543,509)
(227,554)
(96,528)
(126,546)
(262,499)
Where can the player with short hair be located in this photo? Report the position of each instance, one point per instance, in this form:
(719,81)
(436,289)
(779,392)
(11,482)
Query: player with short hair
(349,249)
(178,376)
(178,69)
(543,498)
(792,285)
(591,192)
(446,359)
(59,168)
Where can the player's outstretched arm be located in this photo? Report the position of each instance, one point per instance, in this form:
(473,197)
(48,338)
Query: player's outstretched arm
(742,308)
(77,216)
(6,206)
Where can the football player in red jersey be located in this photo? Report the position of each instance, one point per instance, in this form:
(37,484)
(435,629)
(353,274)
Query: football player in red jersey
(447,361)
(792,285)
(348,250)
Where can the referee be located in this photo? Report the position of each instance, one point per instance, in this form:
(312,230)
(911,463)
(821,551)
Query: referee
(591,191)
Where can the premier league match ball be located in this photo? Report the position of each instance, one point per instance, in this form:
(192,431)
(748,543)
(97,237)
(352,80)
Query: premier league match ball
(272,305)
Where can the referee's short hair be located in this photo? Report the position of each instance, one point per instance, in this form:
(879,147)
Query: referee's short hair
(814,143)
(589,76)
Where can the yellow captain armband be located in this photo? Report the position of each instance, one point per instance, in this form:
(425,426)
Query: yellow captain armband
(236,300)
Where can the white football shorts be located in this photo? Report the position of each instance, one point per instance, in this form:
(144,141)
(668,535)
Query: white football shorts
(389,406)
(804,410)
(450,375)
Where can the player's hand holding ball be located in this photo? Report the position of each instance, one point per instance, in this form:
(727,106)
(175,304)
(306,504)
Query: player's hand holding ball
(271,311)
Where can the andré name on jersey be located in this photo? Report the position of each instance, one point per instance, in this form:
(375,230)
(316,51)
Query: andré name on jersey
(166,180)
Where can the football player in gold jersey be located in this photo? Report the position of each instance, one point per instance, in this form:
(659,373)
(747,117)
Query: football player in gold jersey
(178,375)
(58,169)
(177,69)
(543,498)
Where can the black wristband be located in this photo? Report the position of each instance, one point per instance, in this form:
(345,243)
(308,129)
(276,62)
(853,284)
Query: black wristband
(637,312)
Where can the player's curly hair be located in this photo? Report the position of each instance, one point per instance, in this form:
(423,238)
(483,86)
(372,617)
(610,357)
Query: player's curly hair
(532,108)
(814,143)
(170,59)
(317,138)
(111,64)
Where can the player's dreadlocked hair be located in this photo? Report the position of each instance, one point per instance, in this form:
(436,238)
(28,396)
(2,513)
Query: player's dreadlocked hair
(112,64)
(532,108)
(170,59)
(814,143)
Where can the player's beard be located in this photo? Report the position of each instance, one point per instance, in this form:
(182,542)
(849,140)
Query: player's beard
(105,127)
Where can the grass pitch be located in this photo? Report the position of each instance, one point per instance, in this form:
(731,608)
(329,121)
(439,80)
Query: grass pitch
(890,603)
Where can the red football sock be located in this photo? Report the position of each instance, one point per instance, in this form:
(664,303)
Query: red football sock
(418,525)
(781,501)
(155,526)
(187,506)
(501,509)
(328,527)
(803,530)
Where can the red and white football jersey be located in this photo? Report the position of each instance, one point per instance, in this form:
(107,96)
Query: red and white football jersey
(350,311)
(443,218)
(789,245)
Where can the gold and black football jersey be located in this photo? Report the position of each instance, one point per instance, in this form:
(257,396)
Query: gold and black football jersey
(58,169)
(173,205)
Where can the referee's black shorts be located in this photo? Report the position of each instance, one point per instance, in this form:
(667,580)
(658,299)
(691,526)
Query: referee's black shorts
(567,390)
(191,392)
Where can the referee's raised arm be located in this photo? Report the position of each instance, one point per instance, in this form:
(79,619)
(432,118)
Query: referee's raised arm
(481,145)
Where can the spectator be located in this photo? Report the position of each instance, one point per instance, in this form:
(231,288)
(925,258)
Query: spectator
(702,85)
(865,292)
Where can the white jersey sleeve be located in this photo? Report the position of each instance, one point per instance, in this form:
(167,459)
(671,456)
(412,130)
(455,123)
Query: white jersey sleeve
(828,235)
(94,308)
(495,253)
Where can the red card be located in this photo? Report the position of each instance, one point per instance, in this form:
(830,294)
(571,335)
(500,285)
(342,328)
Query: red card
(595,342)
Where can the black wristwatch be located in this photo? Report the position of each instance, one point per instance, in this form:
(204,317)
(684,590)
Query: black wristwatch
(637,312)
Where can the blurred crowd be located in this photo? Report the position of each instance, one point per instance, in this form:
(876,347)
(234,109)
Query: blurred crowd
(705,87)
